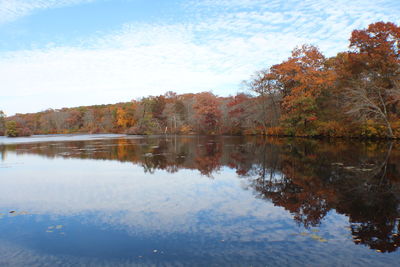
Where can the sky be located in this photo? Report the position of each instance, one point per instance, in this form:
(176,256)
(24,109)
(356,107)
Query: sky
(66,53)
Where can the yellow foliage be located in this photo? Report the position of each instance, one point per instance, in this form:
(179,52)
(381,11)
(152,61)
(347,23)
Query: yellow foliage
(373,129)
(275,131)
(331,128)
(124,119)
(396,128)
(186,129)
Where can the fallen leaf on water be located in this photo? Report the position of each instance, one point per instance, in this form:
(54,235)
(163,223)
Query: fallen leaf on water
(318,238)
(378,250)
(314,230)
(49,231)
(59,226)
(304,234)
(349,167)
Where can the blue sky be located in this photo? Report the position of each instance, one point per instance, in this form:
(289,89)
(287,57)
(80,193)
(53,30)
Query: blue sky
(64,53)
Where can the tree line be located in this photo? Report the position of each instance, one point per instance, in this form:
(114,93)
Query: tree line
(353,94)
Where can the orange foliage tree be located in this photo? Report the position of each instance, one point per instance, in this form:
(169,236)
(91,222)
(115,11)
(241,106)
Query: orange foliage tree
(208,113)
(372,88)
(302,79)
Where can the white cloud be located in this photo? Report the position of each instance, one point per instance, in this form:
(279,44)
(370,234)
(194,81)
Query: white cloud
(11,10)
(127,65)
(221,44)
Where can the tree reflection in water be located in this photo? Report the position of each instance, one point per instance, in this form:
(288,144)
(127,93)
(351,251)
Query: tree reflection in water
(306,177)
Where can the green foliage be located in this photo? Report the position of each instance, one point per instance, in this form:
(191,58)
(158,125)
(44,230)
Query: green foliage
(11,129)
(146,125)
(301,118)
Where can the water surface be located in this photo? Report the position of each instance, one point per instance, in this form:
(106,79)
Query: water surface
(198,201)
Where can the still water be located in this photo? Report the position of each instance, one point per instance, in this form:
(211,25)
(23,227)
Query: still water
(106,200)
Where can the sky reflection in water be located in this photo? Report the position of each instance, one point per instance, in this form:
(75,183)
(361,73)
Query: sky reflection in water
(199,201)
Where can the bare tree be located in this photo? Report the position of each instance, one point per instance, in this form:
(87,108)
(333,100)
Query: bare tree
(268,96)
(395,92)
(368,99)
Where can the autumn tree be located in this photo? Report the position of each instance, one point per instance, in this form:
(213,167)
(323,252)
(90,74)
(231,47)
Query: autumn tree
(125,117)
(74,120)
(11,129)
(108,118)
(372,91)
(267,88)
(59,120)
(241,113)
(147,123)
(302,79)
(188,113)
(174,112)
(208,112)
(157,105)
(88,120)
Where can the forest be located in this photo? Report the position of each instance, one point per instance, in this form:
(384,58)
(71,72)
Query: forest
(353,94)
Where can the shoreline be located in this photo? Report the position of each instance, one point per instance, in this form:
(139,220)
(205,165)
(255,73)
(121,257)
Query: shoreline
(119,135)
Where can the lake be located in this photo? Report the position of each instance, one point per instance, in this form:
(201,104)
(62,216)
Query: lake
(101,200)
